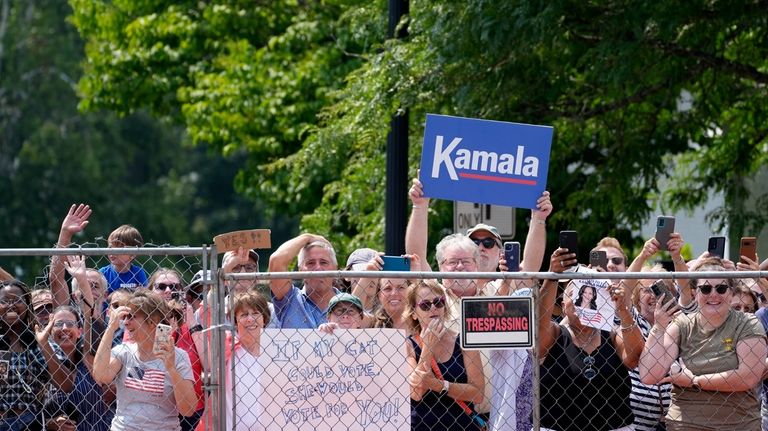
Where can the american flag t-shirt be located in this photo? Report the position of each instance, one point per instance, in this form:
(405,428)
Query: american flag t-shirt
(147,380)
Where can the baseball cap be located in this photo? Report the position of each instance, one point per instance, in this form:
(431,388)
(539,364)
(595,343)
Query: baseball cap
(488,228)
(198,278)
(361,255)
(344,297)
(41,298)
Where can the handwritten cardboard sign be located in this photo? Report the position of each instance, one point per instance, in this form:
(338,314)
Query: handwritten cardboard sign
(353,379)
(247,239)
(593,301)
(497,322)
(483,161)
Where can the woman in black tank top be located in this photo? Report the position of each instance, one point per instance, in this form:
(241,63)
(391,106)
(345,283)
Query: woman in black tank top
(584,377)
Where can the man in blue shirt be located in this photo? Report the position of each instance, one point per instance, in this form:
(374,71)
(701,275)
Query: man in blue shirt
(305,307)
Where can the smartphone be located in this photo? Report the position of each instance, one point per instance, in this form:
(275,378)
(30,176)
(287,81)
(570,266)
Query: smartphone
(716,246)
(570,239)
(748,248)
(665,225)
(598,258)
(396,263)
(512,255)
(660,290)
(162,335)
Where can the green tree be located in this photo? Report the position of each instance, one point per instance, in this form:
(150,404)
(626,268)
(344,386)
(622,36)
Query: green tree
(310,93)
(135,169)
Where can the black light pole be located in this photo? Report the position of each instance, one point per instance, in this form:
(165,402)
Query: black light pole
(396,212)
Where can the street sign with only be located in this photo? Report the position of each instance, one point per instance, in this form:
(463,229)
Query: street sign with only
(468,214)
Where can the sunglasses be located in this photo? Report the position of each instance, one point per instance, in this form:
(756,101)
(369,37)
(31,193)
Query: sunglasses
(486,242)
(246,268)
(164,286)
(590,372)
(426,305)
(616,260)
(707,289)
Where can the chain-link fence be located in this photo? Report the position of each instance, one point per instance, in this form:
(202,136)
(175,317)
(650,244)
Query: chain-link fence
(610,351)
(85,345)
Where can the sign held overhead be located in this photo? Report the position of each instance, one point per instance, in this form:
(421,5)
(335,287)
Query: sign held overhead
(489,162)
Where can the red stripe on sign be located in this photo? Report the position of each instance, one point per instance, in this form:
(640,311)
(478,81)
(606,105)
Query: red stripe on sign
(497,179)
(153,381)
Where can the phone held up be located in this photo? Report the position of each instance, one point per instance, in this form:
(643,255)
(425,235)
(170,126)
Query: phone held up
(665,226)
(162,336)
(716,246)
(512,255)
(570,239)
(659,289)
(598,258)
(396,263)
(748,248)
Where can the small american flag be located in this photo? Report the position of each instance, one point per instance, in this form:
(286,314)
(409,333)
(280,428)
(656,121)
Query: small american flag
(150,380)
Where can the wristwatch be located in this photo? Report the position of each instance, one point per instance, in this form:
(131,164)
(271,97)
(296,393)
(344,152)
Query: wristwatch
(446,385)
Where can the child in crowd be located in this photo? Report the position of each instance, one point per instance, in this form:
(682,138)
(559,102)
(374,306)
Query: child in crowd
(121,273)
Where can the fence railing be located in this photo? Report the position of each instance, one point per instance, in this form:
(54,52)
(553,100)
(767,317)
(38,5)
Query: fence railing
(365,378)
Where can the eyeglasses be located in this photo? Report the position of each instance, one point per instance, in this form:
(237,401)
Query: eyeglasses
(69,323)
(743,308)
(453,263)
(426,305)
(707,289)
(616,260)
(244,315)
(590,372)
(345,311)
(246,268)
(486,242)
(164,286)
(12,303)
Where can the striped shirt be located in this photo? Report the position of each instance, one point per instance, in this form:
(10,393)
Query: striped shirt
(649,402)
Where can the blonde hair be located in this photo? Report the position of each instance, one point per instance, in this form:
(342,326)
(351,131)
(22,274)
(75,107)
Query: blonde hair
(410,302)
(611,242)
(636,293)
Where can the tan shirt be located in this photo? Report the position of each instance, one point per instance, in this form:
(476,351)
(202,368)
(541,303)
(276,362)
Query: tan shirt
(714,352)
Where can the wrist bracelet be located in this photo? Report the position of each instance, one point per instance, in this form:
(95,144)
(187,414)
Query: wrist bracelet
(628,327)
(446,386)
(538,220)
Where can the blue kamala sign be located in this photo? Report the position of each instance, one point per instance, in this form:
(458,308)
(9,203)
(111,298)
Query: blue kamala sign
(483,161)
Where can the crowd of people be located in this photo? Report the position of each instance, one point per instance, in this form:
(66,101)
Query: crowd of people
(86,351)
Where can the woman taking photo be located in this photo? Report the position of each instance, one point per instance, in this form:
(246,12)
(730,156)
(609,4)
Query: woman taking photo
(154,380)
(584,377)
(445,380)
(722,353)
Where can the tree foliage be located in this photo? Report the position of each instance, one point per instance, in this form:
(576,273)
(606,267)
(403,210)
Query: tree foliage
(636,91)
(135,169)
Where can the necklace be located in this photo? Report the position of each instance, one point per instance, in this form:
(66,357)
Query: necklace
(583,343)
